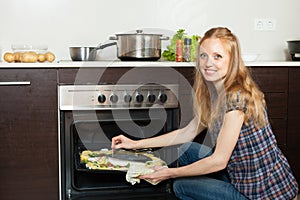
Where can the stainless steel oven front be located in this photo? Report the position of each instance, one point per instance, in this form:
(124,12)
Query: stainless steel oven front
(90,115)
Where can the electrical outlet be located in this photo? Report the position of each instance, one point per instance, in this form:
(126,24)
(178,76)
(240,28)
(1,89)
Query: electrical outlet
(270,24)
(259,25)
(264,24)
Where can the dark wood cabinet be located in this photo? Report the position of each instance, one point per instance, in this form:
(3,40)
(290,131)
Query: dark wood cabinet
(293,136)
(118,75)
(78,76)
(28,134)
(274,82)
(281,86)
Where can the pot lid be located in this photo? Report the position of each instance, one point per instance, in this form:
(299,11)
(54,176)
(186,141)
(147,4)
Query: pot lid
(138,32)
(293,41)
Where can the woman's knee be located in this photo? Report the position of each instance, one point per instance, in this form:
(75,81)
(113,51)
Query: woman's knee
(179,188)
(203,187)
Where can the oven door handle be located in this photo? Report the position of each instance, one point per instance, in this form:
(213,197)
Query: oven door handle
(12,83)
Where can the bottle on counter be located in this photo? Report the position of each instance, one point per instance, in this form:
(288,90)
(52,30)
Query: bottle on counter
(179,49)
(187,49)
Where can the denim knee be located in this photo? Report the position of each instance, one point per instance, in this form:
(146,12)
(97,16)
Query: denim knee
(179,190)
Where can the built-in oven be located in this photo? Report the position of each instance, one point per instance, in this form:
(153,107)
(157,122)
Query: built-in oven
(90,115)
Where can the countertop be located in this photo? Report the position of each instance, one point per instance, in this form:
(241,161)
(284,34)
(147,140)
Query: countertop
(70,64)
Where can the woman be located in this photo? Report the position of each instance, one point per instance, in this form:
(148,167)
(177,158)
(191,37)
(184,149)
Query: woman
(244,161)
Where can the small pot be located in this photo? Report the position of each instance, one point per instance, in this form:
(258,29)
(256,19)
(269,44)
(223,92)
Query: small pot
(138,46)
(87,53)
(83,53)
(294,49)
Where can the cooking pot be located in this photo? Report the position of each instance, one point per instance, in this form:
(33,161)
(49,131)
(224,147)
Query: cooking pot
(294,49)
(138,46)
(87,53)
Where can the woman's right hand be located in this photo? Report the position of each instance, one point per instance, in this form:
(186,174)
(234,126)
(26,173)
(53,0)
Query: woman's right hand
(121,141)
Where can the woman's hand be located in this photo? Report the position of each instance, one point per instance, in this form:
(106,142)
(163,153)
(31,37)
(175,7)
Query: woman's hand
(122,142)
(160,174)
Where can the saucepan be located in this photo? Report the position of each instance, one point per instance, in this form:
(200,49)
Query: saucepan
(139,46)
(294,49)
(87,53)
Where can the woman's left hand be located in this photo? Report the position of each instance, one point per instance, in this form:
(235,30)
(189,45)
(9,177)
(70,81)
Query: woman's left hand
(160,174)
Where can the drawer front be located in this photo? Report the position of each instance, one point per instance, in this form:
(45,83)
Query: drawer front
(277,105)
(90,75)
(122,75)
(271,79)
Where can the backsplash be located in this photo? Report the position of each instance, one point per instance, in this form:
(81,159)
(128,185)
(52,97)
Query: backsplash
(63,23)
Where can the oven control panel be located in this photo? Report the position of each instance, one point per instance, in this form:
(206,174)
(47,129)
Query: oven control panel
(78,97)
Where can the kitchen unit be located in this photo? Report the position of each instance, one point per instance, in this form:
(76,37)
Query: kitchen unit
(28,134)
(29,116)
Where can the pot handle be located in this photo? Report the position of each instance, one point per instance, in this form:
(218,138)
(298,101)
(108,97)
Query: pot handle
(106,45)
(113,38)
(164,38)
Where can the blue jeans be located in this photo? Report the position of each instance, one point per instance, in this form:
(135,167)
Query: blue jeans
(213,186)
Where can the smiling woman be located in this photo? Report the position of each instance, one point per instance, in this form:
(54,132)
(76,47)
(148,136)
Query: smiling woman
(224,87)
(244,154)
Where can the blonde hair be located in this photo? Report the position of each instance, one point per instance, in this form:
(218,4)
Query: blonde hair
(237,79)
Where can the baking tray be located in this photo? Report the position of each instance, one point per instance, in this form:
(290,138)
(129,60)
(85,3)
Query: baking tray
(121,156)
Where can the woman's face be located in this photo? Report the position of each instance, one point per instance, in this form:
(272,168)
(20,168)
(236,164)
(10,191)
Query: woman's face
(214,59)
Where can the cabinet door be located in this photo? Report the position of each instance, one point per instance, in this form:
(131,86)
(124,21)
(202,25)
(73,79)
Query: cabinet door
(273,81)
(293,139)
(28,136)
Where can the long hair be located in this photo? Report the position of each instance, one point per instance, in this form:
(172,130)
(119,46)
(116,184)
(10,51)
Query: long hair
(238,79)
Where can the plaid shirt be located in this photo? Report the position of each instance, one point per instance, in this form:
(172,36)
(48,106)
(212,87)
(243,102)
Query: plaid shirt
(257,167)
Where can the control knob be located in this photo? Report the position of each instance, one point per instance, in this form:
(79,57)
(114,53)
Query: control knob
(127,98)
(113,98)
(163,97)
(101,98)
(151,98)
(139,98)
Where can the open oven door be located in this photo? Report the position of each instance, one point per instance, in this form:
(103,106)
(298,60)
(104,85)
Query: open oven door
(91,130)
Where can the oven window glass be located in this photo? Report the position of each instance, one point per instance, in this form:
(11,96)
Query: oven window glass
(96,135)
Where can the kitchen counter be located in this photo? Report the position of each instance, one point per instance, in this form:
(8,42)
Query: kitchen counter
(70,64)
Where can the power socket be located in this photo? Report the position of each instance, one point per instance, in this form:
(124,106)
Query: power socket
(259,25)
(270,24)
(265,24)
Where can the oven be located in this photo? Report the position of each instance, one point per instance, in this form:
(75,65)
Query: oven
(90,115)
